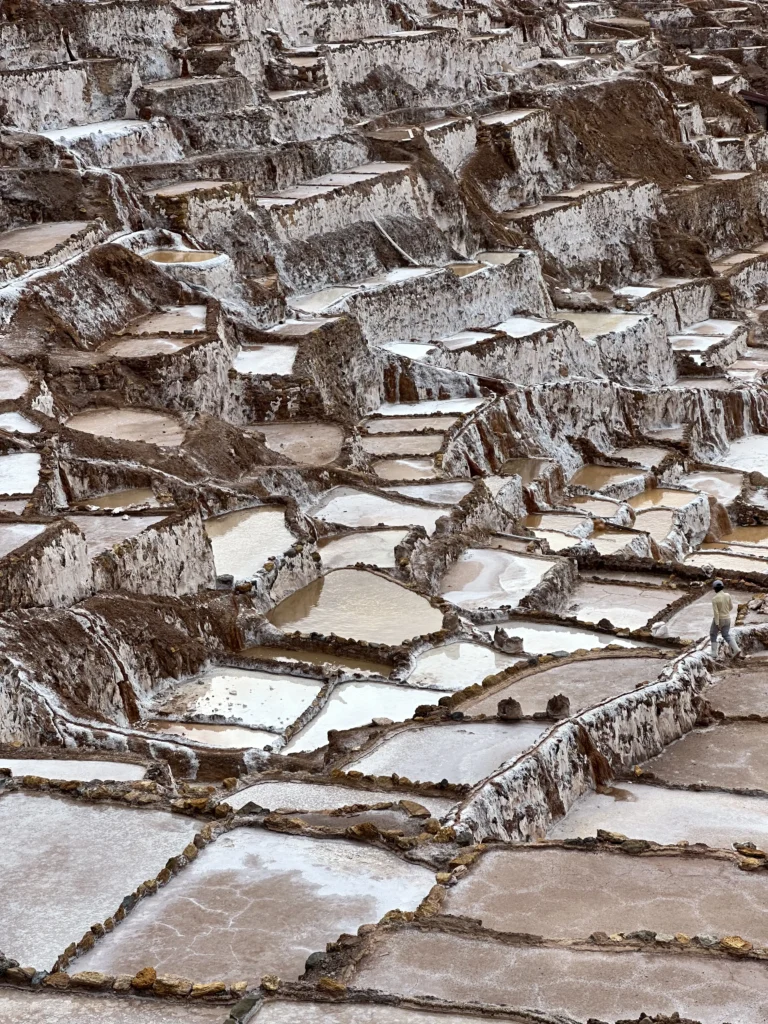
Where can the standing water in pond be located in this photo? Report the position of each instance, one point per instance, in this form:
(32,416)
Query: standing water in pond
(483,578)
(243,541)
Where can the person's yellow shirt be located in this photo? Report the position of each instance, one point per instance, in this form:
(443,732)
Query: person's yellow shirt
(722,606)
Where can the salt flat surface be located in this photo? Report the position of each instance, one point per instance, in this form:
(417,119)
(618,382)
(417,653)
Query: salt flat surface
(597,477)
(13,383)
(548,637)
(256,903)
(304,796)
(177,319)
(356,1013)
(401,444)
(742,690)
(13,535)
(258,699)
(692,622)
(67,864)
(459,752)
(40,238)
(747,454)
(18,1006)
(584,683)
(350,507)
(15,422)
(243,541)
(308,444)
(260,359)
(354,704)
(357,604)
(397,424)
(129,424)
(140,347)
(438,493)
(668,816)
(375,547)
(579,984)
(70,768)
(19,473)
(404,469)
(290,655)
(122,499)
(568,894)
(458,665)
(722,559)
(228,737)
(668,497)
(625,607)
(428,407)
(733,755)
(721,485)
(113,128)
(484,578)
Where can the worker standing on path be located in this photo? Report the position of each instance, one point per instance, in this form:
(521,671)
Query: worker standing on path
(722,606)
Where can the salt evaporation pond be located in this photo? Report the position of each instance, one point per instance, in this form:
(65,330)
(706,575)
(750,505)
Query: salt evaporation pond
(20,1006)
(15,423)
(258,699)
(404,469)
(376,547)
(668,816)
(448,493)
(13,535)
(243,541)
(144,347)
(307,796)
(128,424)
(308,444)
(721,559)
(174,319)
(122,499)
(40,238)
(721,485)
(429,407)
(255,903)
(748,454)
(402,444)
(347,506)
(661,497)
(266,359)
(484,578)
(548,637)
(578,984)
(569,894)
(397,424)
(357,604)
(13,383)
(625,607)
(358,1013)
(459,752)
(595,478)
(585,684)
(731,755)
(458,665)
(656,522)
(693,621)
(354,704)
(19,473)
(67,864)
(292,655)
(228,737)
(73,769)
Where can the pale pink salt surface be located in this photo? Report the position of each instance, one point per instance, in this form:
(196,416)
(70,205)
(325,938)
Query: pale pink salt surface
(579,984)
(103,532)
(358,1013)
(18,1006)
(254,903)
(40,238)
(568,894)
(308,796)
(66,864)
(71,768)
(668,816)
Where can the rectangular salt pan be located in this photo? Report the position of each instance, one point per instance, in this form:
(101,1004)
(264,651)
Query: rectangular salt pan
(19,473)
(306,796)
(72,769)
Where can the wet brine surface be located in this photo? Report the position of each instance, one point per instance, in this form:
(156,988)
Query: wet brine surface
(357,604)
(733,755)
(307,444)
(353,704)
(243,541)
(548,637)
(19,1006)
(130,425)
(71,768)
(304,796)
(576,983)
(584,683)
(122,499)
(254,698)
(291,655)
(219,918)
(229,737)
(570,894)
(458,665)
(350,507)
(375,547)
(67,864)
(624,606)
(668,816)
(459,752)
(597,477)
(483,578)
